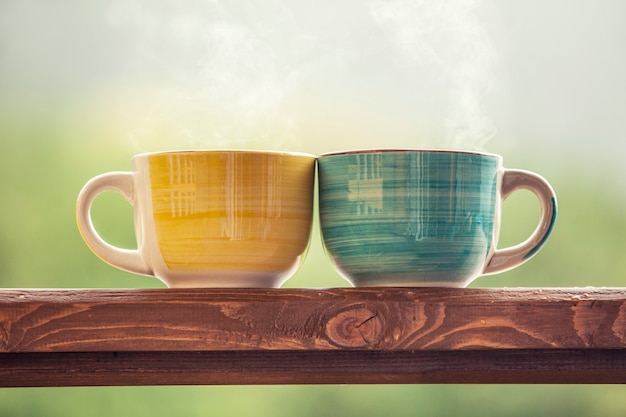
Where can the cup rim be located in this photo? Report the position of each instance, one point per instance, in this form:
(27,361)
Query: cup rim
(406,150)
(231,151)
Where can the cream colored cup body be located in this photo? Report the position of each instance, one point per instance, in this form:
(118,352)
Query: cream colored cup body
(211,218)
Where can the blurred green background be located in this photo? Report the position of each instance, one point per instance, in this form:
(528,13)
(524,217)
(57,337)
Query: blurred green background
(77,100)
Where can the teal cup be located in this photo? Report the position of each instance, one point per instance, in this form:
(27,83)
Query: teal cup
(423,217)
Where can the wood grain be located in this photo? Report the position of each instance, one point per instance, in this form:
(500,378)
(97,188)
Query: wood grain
(378,319)
(347,335)
(502,366)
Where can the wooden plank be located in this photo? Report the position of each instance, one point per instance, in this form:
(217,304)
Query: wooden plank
(500,366)
(297,319)
(312,336)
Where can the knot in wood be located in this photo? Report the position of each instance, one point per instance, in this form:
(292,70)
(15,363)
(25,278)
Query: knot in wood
(355,327)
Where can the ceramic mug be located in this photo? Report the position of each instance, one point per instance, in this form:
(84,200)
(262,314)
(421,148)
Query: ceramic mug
(422,217)
(214,218)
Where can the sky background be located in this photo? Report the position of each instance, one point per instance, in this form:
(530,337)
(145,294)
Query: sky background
(541,83)
(534,78)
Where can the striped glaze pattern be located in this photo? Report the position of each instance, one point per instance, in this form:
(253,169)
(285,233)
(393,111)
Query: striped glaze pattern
(232,212)
(210,218)
(409,217)
(243,218)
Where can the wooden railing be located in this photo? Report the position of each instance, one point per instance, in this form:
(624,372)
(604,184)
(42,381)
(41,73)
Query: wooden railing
(312,336)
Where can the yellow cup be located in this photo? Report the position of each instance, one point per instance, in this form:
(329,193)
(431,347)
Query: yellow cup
(214,218)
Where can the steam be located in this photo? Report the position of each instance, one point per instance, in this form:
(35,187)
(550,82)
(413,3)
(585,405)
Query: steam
(447,37)
(220,78)
(266,74)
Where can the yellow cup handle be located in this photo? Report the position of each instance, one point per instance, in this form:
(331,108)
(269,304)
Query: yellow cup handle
(126,259)
(508,258)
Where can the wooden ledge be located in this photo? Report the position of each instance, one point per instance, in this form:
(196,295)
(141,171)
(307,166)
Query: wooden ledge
(346,335)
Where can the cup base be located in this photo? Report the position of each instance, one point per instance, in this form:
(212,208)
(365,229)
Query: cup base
(408,280)
(226,280)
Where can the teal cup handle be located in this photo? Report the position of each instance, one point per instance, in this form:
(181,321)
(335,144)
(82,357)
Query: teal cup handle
(423,217)
(508,258)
